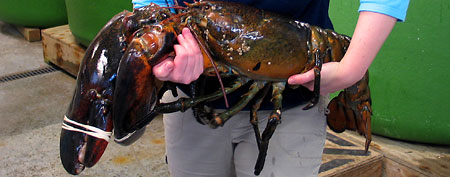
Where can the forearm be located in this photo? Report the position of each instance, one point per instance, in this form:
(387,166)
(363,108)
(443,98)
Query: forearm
(371,31)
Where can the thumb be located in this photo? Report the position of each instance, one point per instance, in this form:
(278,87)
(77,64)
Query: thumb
(163,69)
(303,78)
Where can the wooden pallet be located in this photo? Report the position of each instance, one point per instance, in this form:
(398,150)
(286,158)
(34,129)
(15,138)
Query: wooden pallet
(30,34)
(61,49)
(343,154)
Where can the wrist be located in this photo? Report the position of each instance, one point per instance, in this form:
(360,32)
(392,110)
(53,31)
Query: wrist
(349,75)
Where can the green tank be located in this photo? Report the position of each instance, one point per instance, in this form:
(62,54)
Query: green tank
(409,79)
(33,13)
(87,17)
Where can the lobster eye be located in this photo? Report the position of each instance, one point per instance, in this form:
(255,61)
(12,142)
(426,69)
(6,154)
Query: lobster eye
(157,28)
(93,95)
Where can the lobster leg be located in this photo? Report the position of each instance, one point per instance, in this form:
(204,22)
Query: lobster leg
(183,104)
(316,92)
(220,119)
(254,114)
(274,120)
(198,88)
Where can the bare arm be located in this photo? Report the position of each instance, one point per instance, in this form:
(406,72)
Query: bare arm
(370,33)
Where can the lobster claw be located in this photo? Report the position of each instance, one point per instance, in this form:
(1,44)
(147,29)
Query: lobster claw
(85,134)
(88,122)
(137,89)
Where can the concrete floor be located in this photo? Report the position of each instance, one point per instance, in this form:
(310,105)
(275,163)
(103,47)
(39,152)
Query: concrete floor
(31,113)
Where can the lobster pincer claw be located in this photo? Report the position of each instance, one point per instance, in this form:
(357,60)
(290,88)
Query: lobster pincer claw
(88,122)
(137,88)
(82,143)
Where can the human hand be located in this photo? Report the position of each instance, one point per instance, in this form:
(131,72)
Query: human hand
(187,64)
(332,79)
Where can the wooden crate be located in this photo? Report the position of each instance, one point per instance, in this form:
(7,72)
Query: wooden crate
(346,158)
(61,49)
(403,158)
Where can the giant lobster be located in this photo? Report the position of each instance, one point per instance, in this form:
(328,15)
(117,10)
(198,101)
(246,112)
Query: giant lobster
(116,90)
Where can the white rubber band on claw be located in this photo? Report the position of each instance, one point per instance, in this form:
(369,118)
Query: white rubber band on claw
(124,138)
(93,131)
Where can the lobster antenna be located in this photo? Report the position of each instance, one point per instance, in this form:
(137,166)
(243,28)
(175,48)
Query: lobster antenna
(215,68)
(176,4)
(173,7)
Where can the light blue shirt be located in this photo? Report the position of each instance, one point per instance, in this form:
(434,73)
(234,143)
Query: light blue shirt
(141,3)
(393,8)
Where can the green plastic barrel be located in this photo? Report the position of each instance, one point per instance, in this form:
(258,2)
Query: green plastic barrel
(87,17)
(33,13)
(409,79)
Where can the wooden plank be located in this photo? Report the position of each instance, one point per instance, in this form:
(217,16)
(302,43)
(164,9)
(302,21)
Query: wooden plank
(61,49)
(30,34)
(371,168)
(394,169)
(344,157)
(413,159)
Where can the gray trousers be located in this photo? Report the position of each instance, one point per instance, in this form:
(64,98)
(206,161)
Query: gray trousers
(195,150)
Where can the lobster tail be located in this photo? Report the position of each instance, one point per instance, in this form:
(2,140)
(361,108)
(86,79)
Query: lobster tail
(337,116)
(351,110)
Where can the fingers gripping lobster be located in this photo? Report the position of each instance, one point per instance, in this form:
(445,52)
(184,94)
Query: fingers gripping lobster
(88,122)
(258,48)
